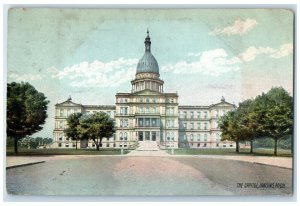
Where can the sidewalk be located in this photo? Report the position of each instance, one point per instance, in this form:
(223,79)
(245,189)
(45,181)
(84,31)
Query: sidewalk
(17,161)
(284,162)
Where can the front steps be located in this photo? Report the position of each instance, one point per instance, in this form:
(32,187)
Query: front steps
(147,146)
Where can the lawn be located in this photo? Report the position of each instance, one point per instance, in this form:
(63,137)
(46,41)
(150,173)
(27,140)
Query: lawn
(39,152)
(256,152)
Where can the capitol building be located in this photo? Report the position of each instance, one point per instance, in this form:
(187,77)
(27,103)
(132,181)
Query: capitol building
(148,114)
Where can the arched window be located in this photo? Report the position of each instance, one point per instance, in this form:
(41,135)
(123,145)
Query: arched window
(121,136)
(168,136)
(172,136)
(192,137)
(125,136)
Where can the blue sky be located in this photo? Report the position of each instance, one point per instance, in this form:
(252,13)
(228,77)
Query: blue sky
(91,54)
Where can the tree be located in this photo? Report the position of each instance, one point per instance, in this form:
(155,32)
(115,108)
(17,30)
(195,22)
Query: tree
(95,127)
(48,140)
(229,128)
(246,122)
(73,126)
(274,113)
(26,111)
(238,125)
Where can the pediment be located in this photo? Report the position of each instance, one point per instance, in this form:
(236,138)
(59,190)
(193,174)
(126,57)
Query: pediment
(223,104)
(68,104)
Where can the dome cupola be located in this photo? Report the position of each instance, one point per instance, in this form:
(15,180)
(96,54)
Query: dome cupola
(148,63)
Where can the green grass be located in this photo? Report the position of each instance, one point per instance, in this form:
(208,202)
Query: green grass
(256,152)
(45,152)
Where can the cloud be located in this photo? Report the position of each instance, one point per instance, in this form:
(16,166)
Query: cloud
(14,76)
(252,52)
(284,50)
(213,62)
(239,27)
(216,62)
(97,73)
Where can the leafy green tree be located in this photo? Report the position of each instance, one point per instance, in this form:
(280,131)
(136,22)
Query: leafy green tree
(26,111)
(247,123)
(39,141)
(95,127)
(229,128)
(73,126)
(274,113)
(48,140)
(237,125)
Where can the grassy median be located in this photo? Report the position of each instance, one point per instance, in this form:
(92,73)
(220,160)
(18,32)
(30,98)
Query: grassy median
(42,152)
(256,152)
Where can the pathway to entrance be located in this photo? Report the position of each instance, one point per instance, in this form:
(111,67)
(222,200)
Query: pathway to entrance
(148,153)
(148,148)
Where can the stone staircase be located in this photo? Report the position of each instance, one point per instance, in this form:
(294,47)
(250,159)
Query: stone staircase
(147,146)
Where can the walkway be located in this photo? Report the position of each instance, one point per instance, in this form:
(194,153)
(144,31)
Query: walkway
(284,162)
(148,153)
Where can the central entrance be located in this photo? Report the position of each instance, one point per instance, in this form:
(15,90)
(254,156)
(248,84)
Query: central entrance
(147,135)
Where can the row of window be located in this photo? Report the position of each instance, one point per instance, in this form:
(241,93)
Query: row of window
(124,110)
(199,114)
(74,145)
(199,145)
(199,137)
(152,110)
(171,124)
(170,136)
(61,137)
(147,100)
(148,122)
(124,123)
(205,145)
(193,125)
(142,122)
(66,112)
(147,84)
(123,136)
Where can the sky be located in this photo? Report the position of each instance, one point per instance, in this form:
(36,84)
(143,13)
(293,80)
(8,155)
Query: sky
(203,54)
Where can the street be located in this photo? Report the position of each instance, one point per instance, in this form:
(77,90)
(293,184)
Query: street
(130,175)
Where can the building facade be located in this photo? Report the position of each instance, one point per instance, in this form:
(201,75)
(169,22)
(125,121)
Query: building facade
(148,113)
